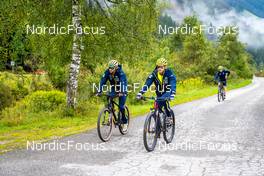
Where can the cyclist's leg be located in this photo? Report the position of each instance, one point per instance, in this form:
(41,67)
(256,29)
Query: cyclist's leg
(122,102)
(165,104)
(112,93)
(161,105)
(225,87)
(219,83)
(167,109)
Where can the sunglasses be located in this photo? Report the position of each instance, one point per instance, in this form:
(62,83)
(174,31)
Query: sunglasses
(160,67)
(111,68)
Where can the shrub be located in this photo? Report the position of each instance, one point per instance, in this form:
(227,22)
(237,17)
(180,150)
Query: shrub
(18,84)
(40,82)
(37,102)
(19,91)
(192,83)
(260,74)
(58,77)
(6,98)
(45,100)
(14,115)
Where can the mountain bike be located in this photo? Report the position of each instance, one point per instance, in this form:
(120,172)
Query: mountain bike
(157,122)
(221,92)
(110,116)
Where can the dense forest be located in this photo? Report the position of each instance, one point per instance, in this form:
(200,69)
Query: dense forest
(125,31)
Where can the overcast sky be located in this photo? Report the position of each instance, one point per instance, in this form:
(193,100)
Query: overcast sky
(219,14)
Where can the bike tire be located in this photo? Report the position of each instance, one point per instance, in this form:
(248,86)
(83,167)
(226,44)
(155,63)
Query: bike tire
(165,125)
(150,117)
(99,129)
(223,94)
(121,129)
(219,96)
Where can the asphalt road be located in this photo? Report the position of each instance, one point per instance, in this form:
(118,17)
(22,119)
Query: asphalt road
(212,139)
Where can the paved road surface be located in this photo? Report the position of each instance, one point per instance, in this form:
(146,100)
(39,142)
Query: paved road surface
(212,139)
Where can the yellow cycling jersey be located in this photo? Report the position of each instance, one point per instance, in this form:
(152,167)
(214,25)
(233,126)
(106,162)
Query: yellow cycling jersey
(160,77)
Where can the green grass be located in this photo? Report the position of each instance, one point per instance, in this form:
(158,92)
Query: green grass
(48,126)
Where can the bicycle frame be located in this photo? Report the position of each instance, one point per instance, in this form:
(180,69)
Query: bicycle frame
(221,91)
(221,86)
(156,123)
(157,111)
(111,105)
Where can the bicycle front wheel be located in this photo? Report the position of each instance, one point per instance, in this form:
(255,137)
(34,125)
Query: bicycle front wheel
(169,128)
(105,124)
(223,94)
(219,96)
(149,132)
(123,128)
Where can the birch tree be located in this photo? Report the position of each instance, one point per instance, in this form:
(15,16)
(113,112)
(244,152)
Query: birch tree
(72,84)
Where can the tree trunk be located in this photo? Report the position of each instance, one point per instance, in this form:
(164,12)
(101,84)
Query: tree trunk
(72,84)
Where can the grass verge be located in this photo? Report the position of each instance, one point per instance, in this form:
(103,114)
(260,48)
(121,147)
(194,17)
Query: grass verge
(46,127)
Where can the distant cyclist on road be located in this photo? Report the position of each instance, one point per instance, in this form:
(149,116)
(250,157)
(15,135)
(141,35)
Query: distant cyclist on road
(118,81)
(221,76)
(165,82)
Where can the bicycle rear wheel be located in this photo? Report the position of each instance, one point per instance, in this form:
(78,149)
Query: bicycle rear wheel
(105,124)
(169,128)
(150,132)
(123,128)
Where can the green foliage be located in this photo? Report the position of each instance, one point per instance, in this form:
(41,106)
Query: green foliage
(23,84)
(58,77)
(234,54)
(196,56)
(18,84)
(14,116)
(45,100)
(32,105)
(258,55)
(129,29)
(40,82)
(19,91)
(6,96)
(260,73)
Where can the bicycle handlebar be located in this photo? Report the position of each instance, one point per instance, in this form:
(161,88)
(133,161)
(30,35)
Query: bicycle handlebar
(155,98)
(115,96)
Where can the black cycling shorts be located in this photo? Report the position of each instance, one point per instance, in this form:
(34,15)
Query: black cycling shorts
(224,83)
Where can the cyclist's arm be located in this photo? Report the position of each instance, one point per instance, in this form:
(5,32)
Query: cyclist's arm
(123,82)
(147,84)
(227,72)
(173,82)
(103,80)
(216,77)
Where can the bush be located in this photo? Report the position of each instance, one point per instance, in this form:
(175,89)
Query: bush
(19,91)
(40,82)
(14,115)
(260,74)
(58,77)
(18,84)
(6,98)
(45,100)
(37,102)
